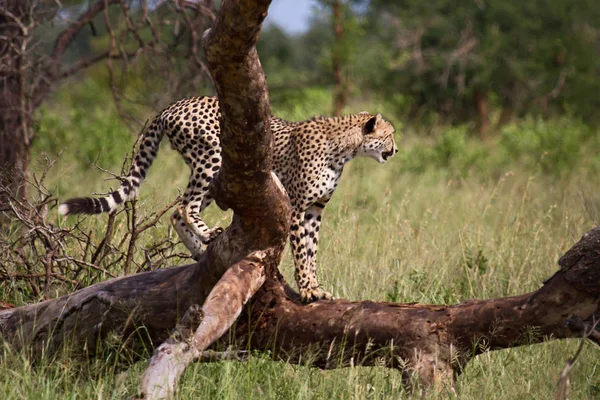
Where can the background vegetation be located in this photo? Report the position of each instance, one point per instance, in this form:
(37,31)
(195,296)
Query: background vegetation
(451,217)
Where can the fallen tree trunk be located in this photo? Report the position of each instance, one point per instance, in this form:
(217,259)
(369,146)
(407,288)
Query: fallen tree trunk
(182,311)
(433,341)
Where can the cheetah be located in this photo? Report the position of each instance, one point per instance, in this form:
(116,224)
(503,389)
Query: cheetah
(309,158)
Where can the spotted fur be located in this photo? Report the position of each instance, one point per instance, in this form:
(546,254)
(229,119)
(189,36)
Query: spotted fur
(309,157)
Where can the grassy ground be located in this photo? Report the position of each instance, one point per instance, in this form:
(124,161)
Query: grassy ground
(446,231)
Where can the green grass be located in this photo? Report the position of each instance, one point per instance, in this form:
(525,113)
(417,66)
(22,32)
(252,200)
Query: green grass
(446,220)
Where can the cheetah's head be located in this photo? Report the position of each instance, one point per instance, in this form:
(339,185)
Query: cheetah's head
(378,140)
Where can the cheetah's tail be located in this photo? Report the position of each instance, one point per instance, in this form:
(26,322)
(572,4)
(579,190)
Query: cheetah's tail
(90,205)
(130,184)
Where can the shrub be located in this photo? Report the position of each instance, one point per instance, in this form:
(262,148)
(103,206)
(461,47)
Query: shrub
(86,124)
(555,146)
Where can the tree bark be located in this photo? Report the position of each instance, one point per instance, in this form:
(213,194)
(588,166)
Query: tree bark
(20,92)
(15,144)
(15,124)
(436,341)
(220,310)
(252,245)
(19,95)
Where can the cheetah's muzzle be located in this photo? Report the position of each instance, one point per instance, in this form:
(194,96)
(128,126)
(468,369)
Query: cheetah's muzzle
(387,155)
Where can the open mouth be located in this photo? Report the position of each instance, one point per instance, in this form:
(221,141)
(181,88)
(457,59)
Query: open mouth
(387,154)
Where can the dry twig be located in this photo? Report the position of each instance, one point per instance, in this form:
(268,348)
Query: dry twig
(38,256)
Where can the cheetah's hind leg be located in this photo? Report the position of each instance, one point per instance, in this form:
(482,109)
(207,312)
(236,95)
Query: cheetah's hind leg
(186,220)
(186,235)
(191,211)
(195,199)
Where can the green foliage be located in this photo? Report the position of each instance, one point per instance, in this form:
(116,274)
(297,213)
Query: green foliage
(453,150)
(298,105)
(532,55)
(84,123)
(393,295)
(556,146)
(88,137)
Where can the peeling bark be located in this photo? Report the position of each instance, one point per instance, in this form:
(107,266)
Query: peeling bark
(221,309)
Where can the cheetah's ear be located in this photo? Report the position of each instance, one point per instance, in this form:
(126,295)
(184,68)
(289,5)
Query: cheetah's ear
(371,124)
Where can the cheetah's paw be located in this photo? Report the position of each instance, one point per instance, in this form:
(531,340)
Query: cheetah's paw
(309,295)
(211,234)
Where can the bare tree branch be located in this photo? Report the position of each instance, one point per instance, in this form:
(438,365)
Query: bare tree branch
(87,62)
(61,44)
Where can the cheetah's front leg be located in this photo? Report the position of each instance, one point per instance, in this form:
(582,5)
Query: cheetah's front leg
(312,225)
(304,271)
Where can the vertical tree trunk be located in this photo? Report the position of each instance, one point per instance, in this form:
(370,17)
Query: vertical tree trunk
(339,60)
(14,148)
(15,124)
(483,117)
